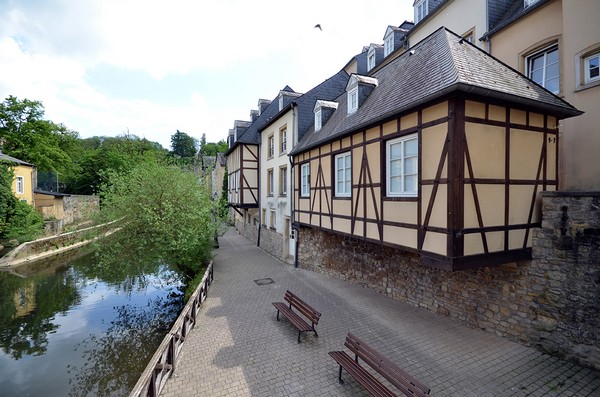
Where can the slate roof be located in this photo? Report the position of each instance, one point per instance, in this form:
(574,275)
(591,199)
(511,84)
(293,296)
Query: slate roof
(515,11)
(328,90)
(440,64)
(432,5)
(497,10)
(6,157)
(250,136)
(361,61)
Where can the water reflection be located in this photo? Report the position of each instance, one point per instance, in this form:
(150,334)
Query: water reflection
(28,308)
(80,329)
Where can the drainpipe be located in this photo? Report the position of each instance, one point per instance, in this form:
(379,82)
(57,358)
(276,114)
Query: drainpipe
(260,220)
(292,185)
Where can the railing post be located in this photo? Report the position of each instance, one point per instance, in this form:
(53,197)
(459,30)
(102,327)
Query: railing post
(170,343)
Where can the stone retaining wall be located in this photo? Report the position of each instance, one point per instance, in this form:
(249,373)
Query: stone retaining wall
(272,242)
(494,299)
(246,229)
(564,277)
(77,208)
(551,302)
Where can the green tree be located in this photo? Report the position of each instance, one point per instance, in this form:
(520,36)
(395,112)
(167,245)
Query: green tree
(163,213)
(211,149)
(97,156)
(28,137)
(183,145)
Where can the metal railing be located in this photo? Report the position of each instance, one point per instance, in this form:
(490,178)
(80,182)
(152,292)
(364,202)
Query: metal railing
(163,362)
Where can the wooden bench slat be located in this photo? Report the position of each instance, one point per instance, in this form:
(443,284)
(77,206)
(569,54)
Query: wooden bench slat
(406,383)
(293,302)
(362,376)
(392,372)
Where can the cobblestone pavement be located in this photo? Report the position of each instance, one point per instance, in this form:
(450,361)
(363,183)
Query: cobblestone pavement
(239,349)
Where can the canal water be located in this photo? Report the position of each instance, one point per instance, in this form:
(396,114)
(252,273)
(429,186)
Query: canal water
(76,329)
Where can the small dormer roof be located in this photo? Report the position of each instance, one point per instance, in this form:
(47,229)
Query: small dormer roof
(358,79)
(325,104)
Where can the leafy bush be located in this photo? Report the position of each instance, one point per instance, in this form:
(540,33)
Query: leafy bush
(164,213)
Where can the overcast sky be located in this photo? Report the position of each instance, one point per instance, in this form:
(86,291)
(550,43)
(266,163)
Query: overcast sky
(105,67)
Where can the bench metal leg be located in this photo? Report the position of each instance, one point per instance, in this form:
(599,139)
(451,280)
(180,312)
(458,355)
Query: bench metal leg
(299,332)
(315,331)
(277,315)
(340,380)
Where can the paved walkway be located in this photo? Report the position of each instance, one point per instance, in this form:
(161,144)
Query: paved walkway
(239,349)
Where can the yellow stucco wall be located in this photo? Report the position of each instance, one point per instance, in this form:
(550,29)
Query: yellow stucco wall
(27,173)
(460,16)
(573,25)
(50,206)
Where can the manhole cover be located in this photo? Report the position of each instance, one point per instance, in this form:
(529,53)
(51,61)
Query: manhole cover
(264,281)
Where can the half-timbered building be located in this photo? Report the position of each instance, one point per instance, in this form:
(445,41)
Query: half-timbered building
(277,138)
(441,153)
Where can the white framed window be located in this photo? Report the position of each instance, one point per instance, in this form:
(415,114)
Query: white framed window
(283,181)
(402,166)
(20,185)
(371,60)
(543,68)
(305,180)
(353,100)
(388,45)
(591,67)
(270,182)
(283,140)
(280,102)
(318,120)
(271,146)
(421,9)
(343,175)
(237,181)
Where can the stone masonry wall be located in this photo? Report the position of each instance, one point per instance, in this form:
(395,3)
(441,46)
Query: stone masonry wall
(494,299)
(78,208)
(272,242)
(551,302)
(565,277)
(246,229)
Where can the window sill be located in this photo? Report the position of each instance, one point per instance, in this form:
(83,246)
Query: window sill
(583,87)
(342,197)
(415,198)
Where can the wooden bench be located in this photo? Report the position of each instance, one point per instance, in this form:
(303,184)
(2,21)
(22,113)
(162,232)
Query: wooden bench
(302,307)
(406,383)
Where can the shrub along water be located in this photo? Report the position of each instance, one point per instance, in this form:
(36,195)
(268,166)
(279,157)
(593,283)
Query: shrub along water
(165,214)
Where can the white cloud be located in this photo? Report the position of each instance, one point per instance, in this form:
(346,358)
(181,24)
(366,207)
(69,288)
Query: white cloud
(48,47)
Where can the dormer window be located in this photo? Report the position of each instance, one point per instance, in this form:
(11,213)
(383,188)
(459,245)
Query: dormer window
(388,44)
(280,102)
(323,110)
(358,89)
(371,60)
(421,9)
(353,100)
(318,120)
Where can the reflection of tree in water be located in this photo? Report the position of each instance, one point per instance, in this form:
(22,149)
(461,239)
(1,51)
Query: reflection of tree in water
(27,332)
(115,361)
